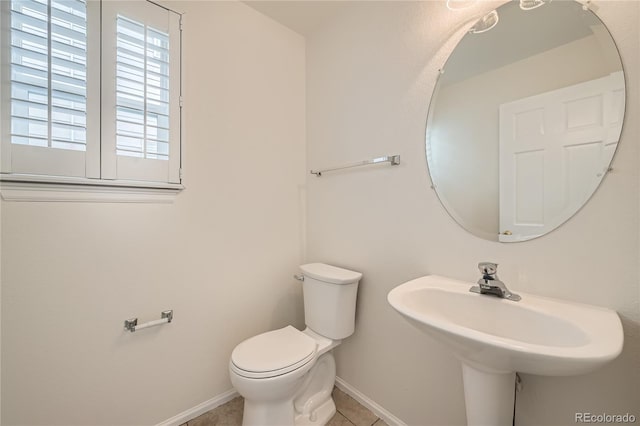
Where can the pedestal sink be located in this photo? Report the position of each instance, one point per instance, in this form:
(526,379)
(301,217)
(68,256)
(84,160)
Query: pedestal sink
(495,338)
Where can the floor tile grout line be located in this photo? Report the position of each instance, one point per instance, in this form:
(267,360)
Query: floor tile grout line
(345,416)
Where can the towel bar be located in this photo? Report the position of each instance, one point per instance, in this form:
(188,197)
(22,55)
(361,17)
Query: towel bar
(394,160)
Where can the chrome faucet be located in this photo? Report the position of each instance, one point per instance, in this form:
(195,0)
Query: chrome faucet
(491,284)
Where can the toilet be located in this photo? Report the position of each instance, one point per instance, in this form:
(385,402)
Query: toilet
(286,376)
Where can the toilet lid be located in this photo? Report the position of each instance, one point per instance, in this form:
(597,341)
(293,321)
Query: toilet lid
(273,353)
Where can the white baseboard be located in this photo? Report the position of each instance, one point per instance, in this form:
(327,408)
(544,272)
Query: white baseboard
(199,409)
(374,407)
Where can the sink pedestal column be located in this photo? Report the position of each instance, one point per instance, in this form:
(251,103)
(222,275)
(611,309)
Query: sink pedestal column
(488,396)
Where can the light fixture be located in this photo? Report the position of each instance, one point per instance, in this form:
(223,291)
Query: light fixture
(460,4)
(485,23)
(532,4)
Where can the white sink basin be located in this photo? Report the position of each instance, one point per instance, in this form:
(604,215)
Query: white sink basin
(536,335)
(494,338)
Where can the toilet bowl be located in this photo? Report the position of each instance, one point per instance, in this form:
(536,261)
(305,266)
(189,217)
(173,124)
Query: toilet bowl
(286,376)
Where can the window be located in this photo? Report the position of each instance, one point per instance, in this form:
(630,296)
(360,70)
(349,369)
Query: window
(90,104)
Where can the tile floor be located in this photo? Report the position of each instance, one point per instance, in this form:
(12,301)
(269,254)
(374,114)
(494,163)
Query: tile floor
(350,413)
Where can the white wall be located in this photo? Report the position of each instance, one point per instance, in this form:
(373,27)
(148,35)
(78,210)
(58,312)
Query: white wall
(221,256)
(370,76)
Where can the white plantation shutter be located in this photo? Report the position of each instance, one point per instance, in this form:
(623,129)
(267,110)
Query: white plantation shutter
(90,89)
(50,93)
(141,92)
(30,98)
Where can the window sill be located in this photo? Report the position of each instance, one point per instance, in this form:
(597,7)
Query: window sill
(60,189)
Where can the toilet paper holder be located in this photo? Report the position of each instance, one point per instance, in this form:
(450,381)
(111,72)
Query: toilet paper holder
(132,323)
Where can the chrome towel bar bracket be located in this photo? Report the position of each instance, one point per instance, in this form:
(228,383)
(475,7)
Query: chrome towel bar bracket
(132,323)
(394,160)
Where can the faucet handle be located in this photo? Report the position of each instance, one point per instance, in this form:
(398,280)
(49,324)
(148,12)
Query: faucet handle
(488,268)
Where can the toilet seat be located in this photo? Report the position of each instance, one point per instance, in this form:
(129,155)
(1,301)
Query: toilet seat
(273,353)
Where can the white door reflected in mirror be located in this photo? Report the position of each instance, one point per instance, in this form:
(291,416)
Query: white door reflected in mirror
(554,150)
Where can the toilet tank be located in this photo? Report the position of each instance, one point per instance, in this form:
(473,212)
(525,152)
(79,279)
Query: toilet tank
(330,299)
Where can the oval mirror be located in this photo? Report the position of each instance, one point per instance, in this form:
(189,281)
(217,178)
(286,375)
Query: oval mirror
(525,119)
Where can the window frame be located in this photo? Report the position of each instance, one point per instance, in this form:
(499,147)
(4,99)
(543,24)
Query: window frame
(99,182)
